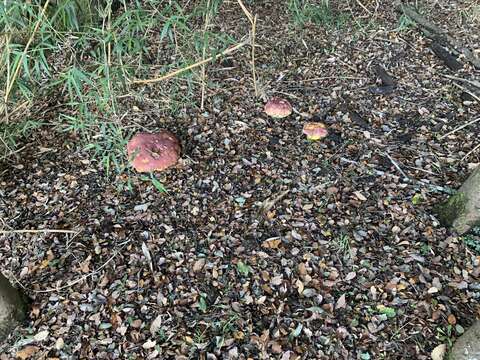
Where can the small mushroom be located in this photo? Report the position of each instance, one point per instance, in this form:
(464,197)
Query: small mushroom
(153,152)
(315,130)
(278,108)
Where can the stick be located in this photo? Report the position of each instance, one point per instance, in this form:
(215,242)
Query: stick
(363,7)
(193,66)
(459,128)
(49,231)
(84,277)
(471,82)
(470,152)
(204,51)
(405,180)
(397,166)
(253,22)
(464,89)
(437,34)
(254,73)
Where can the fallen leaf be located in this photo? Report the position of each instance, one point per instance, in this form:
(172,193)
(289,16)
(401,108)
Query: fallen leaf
(341,302)
(238,335)
(277,280)
(199,264)
(350,276)
(261,300)
(59,344)
(27,352)
(146,253)
(149,344)
(360,196)
(276,347)
(302,269)
(156,325)
(42,335)
(300,286)
(272,243)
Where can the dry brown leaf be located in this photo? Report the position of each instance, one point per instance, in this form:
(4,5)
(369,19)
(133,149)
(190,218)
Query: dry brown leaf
(272,243)
(302,269)
(199,264)
(276,347)
(27,352)
(238,335)
(300,286)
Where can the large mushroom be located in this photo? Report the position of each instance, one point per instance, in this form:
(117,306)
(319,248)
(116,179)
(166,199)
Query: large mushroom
(278,108)
(315,130)
(153,152)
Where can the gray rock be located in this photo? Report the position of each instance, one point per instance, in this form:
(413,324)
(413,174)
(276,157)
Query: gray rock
(467,346)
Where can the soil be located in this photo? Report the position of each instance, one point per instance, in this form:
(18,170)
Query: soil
(266,245)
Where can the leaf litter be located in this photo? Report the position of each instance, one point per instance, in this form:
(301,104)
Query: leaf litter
(266,245)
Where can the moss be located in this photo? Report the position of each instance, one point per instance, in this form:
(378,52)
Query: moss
(450,210)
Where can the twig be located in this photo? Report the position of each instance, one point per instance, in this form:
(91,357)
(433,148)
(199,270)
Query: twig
(471,82)
(269,203)
(204,52)
(459,128)
(193,66)
(363,7)
(396,165)
(254,73)
(464,89)
(405,180)
(80,279)
(26,231)
(470,152)
(253,23)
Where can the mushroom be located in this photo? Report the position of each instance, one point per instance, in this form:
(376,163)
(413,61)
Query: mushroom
(278,108)
(315,130)
(153,152)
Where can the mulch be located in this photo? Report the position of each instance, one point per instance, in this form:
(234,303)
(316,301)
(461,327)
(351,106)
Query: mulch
(266,245)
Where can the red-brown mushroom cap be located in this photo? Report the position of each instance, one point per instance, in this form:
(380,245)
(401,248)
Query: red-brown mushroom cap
(153,152)
(278,108)
(315,130)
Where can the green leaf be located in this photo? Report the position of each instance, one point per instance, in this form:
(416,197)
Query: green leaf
(243,268)
(202,304)
(390,312)
(240,200)
(316,309)
(158,185)
(417,199)
(298,330)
